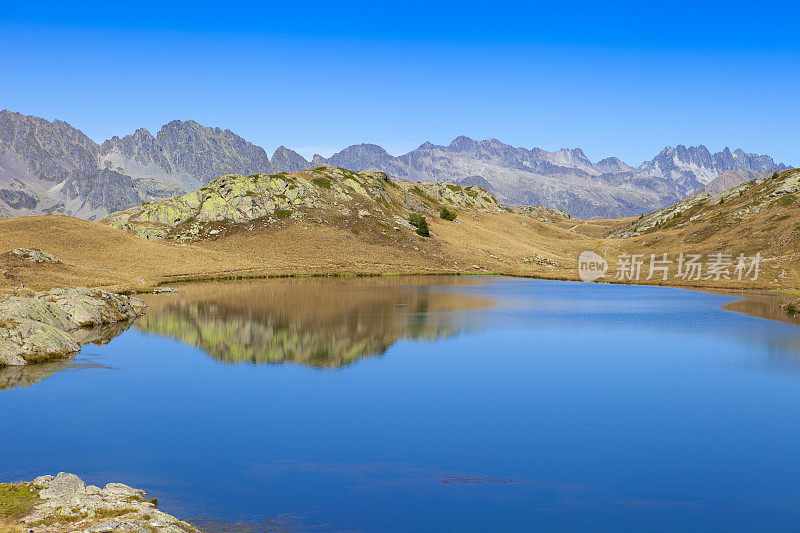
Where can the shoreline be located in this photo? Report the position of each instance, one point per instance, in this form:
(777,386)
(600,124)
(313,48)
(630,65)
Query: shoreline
(45,326)
(64,503)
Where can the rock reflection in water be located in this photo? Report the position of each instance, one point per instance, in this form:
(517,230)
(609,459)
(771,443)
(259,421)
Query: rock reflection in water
(318,322)
(27,375)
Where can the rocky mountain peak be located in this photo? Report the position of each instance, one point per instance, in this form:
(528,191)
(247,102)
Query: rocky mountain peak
(462,143)
(612,165)
(286,160)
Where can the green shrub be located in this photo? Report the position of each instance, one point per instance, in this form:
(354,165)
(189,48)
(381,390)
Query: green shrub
(325,183)
(446,214)
(415,219)
(418,221)
(283,213)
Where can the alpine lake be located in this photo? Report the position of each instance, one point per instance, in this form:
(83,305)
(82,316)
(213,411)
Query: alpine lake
(430,404)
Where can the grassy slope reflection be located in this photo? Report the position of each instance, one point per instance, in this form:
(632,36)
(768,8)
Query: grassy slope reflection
(319,322)
(764,306)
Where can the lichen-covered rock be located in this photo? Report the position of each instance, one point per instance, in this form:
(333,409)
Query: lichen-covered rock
(92,307)
(466,196)
(65,503)
(275,198)
(44,326)
(542,214)
(38,309)
(238,199)
(25,341)
(34,256)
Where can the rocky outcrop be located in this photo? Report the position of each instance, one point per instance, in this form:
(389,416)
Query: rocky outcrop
(265,198)
(320,195)
(34,256)
(542,214)
(468,196)
(47,325)
(65,503)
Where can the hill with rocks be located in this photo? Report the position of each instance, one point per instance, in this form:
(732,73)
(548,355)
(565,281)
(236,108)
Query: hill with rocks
(326,195)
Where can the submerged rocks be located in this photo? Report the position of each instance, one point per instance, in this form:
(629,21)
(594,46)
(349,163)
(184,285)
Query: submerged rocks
(44,326)
(65,503)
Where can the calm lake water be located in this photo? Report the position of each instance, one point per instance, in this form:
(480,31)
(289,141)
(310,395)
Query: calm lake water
(430,404)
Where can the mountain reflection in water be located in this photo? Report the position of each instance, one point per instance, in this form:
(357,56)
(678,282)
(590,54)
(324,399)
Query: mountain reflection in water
(311,321)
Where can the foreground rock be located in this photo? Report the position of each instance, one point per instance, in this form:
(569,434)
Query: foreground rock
(48,325)
(65,503)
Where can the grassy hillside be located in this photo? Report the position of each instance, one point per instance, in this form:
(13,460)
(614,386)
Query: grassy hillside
(333,221)
(760,216)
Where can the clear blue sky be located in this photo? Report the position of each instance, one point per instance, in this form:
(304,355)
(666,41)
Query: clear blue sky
(614,78)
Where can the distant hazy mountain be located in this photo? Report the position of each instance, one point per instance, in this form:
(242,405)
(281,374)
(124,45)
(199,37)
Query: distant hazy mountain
(692,167)
(184,153)
(53,167)
(565,179)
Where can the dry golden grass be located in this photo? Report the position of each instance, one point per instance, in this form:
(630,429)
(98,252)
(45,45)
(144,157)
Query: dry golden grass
(95,254)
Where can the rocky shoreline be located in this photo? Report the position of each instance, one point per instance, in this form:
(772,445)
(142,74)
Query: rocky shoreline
(44,326)
(65,503)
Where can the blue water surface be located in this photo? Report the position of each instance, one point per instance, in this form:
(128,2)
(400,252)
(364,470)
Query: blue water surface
(560,406)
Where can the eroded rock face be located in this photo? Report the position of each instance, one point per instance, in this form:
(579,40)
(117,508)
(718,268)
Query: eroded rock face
(66,503)
(44,326)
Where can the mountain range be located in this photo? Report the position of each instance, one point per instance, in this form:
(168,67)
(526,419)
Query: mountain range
(52,167)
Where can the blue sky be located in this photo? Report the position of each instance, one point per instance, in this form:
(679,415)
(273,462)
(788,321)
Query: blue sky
(613,78)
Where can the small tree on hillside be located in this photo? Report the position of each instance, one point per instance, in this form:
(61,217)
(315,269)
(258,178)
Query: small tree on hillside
(446,214)
(418,221)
